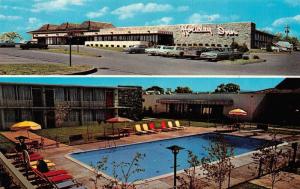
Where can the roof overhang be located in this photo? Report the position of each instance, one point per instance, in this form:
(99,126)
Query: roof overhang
(196,101)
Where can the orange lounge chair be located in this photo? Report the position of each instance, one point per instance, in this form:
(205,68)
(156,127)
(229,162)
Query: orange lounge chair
(170,125)
(138,130)
(177,125)
(153,128)
(164,127)
(146,128)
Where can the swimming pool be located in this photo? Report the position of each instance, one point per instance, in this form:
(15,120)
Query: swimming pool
(159,160)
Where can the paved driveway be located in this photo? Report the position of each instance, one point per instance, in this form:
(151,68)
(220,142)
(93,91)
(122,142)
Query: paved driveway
(118,63)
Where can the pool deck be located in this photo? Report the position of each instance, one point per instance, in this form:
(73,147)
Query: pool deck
(245,167)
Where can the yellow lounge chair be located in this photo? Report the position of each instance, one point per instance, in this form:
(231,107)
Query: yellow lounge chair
(170,126)
(146,128)
(138,129)
(177,124)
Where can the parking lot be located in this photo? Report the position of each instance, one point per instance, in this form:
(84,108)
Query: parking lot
(119,63)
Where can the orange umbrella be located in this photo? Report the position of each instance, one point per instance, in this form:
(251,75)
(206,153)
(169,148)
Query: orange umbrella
(237,112)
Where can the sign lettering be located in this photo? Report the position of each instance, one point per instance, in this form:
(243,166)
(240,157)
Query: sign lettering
(188,29)
(224,32)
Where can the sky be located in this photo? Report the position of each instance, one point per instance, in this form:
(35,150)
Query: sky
(269,15)
(196,84)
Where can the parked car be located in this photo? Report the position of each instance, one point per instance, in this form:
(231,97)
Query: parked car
(136,49)
(7,44)
(165,50)
(33,45)
(194,53)
(221,54)
(153,50)
(177,52)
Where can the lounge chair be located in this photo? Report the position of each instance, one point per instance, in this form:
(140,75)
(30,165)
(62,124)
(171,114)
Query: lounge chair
(138,130)
(177,124)
(164,127)
(153,128)
(170,125)
(146,128)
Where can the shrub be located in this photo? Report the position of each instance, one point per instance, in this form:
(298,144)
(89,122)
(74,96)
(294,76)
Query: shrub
(256,57)
(243,48)
(269,48)
(231,58)
(246,57)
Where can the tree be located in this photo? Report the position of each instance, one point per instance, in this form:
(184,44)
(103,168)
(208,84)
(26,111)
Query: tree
(156,88)
(121,172)
(61,113)
(271,159)
(228,88)
(218,162)
(190,180)
(183,90)
(11,36)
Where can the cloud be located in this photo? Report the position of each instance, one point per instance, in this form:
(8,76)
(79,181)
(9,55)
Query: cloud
(286,20)
(54,5)
(183,8)
(161,21)
(131,10)
(33,23)
(267,29)
(8,17)
(293,3)
(98,13)
(201,18)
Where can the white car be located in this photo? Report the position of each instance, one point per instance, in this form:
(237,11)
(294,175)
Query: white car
(165,50)
(154,50)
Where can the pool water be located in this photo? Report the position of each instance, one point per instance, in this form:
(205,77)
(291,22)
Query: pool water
(159,159)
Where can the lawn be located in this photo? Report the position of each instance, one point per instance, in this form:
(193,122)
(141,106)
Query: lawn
(41,69)
(242,61)
(5,144)
(118,49)
(248,185)
(62,134)
(74,52)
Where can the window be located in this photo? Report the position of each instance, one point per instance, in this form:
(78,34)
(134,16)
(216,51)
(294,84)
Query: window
(97,45)
(200,44)
(189,45)
(124,46)
(184,45)
(112,45)
(118,45)
(92,45)
(195,45)
(101,45)
(213,45)
(179,44)
(106,46)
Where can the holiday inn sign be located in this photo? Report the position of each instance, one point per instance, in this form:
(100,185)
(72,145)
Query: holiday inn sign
(188,29)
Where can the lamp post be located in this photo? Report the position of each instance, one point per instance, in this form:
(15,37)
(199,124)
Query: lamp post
(175,150)
(70,48)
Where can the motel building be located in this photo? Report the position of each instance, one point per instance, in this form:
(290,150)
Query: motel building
(279,105)
(86,105)
(99,34)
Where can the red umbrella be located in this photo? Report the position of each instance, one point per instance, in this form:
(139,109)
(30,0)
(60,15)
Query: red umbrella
(117,120)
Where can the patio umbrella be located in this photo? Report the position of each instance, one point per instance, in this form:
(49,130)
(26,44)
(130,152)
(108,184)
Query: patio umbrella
(117,119)
(25,125)
(237,112)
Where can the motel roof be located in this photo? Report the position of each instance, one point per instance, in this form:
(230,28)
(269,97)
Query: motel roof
(67,85)
(84,26)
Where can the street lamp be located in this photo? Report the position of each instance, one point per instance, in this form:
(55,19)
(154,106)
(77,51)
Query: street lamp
(70,48)
(175,150)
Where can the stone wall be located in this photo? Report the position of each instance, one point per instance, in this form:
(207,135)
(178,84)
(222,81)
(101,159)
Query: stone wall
(196,34)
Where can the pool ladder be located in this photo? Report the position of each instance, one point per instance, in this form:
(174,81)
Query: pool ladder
(109,144)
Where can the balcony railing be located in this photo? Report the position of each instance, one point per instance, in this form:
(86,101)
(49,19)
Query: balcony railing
(14,173)
(16,103)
